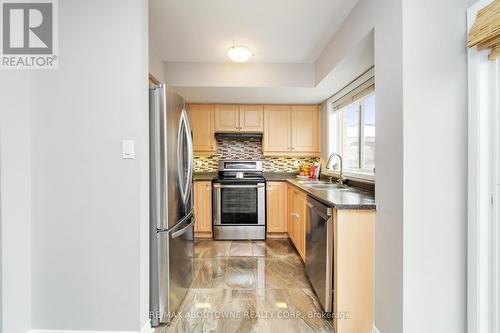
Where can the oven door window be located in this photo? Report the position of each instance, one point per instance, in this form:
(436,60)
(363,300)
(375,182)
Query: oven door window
(239,205)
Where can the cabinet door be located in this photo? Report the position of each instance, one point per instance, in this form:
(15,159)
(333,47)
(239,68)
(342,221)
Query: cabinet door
(203,206)
(289,210)
(276,207)
(292,214)
(277,123)
(202,124)
(227,118)
(301,207)
(251,118)
(305,128)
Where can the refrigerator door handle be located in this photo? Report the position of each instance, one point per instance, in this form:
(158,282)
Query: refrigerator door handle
(183,230)
(185,131)
(190,155)
(156,151)
(187,217)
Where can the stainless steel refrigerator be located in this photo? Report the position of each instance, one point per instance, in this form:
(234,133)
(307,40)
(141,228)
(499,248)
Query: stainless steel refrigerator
(171,203)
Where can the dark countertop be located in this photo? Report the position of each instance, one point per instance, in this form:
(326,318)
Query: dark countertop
(347,198)
(200,176)
(279,176)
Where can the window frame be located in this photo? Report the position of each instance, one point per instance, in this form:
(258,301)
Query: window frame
(336,133)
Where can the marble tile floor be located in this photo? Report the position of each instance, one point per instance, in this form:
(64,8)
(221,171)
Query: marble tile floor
(248,286)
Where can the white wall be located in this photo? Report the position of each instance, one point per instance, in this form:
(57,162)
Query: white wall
(384,18)
(359,59)
(187,74)
(15,205)
(421,141)
(435,154)
(90,207)
(156,65)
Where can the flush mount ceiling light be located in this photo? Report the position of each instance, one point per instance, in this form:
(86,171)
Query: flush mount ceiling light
(239,53)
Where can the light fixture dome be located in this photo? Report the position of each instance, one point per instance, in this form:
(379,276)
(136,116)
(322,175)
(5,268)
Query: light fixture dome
(239,53)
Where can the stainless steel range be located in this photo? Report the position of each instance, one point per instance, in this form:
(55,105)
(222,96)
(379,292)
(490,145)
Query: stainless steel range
(239,198)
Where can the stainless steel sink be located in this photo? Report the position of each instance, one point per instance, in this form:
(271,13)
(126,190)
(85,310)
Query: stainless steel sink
(326,186)
(307,182)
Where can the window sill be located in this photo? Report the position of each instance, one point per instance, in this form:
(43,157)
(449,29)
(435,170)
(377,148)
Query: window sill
(361,177)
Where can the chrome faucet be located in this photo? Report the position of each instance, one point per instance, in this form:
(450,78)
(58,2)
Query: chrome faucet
(328,166)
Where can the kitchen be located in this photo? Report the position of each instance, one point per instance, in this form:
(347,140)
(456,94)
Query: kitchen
(78,193)
(250,199)
(283,199)
(330,225)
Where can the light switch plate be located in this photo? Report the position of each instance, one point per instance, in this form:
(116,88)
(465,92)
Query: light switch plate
(128,151)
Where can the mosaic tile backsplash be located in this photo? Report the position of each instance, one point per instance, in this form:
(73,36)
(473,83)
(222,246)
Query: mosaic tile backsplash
(249,150)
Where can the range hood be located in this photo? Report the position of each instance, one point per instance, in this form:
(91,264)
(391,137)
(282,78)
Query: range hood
(239,136)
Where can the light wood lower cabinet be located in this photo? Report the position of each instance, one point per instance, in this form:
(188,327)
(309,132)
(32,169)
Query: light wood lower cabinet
(297,210)
(353,264)
(203,208)
(276,207)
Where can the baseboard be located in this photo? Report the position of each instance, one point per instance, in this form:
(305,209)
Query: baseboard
(277,235)
(203,235)
(77,331)
(146,329)
(375,329)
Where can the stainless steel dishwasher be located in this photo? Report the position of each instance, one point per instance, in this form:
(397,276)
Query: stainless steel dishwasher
(319,251)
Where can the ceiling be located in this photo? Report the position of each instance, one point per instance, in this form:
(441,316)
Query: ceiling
(356,62)
(252,95)
(278,31)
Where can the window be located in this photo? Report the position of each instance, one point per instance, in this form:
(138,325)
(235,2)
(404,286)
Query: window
(352,128)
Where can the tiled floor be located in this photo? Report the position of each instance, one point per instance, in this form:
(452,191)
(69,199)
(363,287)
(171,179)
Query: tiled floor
(248,287)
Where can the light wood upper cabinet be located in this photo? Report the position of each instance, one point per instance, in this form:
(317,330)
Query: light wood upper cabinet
(251,118)
(288,130)
(227,118)
(203,207)
(202,124)
(239,118)
(305,128)
(291,130)
(277,128)
(276,207)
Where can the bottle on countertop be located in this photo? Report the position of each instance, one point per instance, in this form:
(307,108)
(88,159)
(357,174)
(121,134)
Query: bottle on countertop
(312,171)
(317,170)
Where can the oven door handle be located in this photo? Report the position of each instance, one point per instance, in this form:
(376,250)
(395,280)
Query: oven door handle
(239,186)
